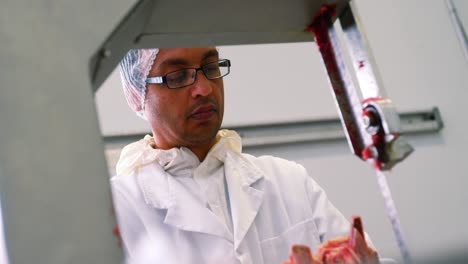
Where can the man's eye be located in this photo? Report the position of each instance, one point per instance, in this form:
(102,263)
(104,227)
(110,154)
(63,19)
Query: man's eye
(211,69)
(178,77)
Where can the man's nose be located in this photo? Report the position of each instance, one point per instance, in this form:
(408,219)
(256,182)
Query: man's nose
(202,86)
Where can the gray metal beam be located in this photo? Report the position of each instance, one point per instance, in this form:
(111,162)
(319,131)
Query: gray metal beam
(187,23)
(53,178)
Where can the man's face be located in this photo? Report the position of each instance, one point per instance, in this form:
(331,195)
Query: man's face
(190,116)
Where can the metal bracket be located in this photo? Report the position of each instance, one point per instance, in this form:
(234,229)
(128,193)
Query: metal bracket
(307,131)
(371,123)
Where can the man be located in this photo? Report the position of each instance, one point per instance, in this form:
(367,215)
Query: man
(189,195)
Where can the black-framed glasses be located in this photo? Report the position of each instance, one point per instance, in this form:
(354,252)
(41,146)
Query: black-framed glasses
(186,77)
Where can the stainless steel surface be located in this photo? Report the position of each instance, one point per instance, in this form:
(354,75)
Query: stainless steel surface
(345,93)
(362,61)
(379,141)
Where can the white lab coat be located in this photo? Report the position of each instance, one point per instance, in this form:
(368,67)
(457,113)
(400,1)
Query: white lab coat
(274,204)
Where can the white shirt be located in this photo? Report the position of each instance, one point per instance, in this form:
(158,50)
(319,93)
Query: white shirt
(161,205)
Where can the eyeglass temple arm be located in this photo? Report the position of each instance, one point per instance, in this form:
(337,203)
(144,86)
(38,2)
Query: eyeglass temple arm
(158,79)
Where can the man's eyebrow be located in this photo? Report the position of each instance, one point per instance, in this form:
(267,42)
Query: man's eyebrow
(183,62)
(174,62)
(210,53)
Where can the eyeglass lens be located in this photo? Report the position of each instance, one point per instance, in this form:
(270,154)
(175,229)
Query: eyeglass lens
(187,77)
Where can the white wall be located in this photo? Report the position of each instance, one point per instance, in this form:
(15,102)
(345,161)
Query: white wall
(422,65)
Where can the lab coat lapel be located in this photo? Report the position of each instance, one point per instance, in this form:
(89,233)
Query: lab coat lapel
(184,210)
(245,191)
(189,214)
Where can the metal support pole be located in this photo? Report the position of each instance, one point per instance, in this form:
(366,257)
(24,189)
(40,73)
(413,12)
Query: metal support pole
(55,195)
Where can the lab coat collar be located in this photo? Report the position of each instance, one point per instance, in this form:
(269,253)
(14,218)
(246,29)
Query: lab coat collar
(176,161)
(188,213)
(162,191)
(154,178)
(184,211)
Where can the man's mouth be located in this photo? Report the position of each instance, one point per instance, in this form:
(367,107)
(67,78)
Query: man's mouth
(203,112)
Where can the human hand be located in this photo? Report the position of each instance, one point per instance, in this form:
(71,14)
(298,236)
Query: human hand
(301,254)
(351,249)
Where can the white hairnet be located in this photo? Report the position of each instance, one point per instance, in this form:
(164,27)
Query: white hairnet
(134,69)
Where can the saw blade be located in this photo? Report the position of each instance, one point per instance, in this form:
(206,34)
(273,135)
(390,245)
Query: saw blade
(393,215)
